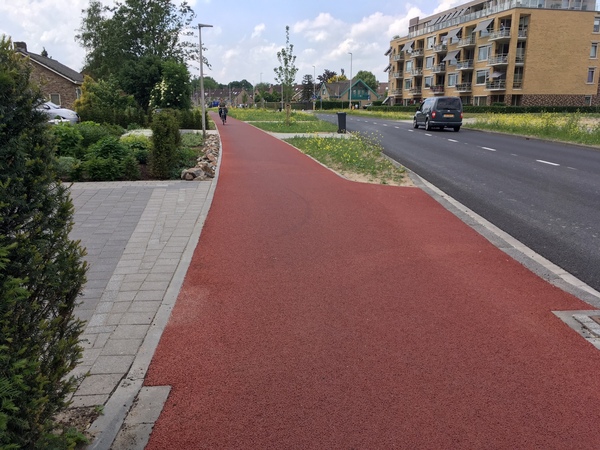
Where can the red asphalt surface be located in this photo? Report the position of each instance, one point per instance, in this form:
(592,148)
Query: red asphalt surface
(320,313)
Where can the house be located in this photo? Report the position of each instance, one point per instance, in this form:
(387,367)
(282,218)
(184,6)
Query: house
(230,96)
(514,52)
(59,83)
(340,90)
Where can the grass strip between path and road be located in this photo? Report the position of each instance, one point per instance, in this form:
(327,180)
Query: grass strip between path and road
(359,157)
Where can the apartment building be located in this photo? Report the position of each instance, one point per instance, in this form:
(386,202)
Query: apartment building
(515,52)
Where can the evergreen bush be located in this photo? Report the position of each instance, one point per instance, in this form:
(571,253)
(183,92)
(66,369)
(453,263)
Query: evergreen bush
(41,270)
(165,140)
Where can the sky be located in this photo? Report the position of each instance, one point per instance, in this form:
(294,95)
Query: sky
(246,35)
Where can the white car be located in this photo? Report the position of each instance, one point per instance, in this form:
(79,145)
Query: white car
(56,114)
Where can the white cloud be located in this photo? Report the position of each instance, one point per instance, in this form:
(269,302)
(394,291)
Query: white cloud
(258,30)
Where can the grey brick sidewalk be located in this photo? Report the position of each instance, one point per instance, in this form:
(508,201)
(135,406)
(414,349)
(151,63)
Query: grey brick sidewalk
(140,237)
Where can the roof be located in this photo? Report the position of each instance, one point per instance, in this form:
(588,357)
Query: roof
(54,66)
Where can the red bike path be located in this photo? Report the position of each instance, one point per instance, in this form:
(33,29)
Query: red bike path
(320,313)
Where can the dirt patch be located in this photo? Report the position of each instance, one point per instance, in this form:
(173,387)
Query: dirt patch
(360,178)
(80,418)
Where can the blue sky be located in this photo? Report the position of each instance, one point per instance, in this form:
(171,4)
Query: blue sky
(246,35)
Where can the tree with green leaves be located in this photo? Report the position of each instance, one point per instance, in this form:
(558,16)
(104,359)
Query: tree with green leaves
(131,29)
(41,270)
(285,74)
(368,78)
(174,89)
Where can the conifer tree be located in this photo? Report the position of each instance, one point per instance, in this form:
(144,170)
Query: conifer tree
(41,269)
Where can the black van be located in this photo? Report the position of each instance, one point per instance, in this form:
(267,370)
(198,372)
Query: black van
(439,112)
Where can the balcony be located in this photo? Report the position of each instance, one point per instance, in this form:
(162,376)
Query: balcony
(415,91)
(498,60)
(396,91)
(495,85)
(398,57)
(439,68)
(417,53)
(520,60)
(464,87)
(518,84)
(522,34)
(397,75)
(467,42)
(501,35)
(440,48)
(437,90)
(416,72)
(465,64)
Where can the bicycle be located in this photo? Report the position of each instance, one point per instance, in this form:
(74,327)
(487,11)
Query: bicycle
(223,114)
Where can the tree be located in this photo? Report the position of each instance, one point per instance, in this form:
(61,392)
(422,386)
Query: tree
(337,78)
(368,78)
(41,270)
(174,89)
(286,72)
(327,75)
(132,29)
(308,87)
(140,76)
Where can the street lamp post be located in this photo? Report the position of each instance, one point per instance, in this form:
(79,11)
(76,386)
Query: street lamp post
(350,92)
(200,26)
(314,95)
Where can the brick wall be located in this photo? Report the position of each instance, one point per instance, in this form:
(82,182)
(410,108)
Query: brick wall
(52,83)
(557,100)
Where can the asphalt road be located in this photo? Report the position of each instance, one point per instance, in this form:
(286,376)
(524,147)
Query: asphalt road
(545,194)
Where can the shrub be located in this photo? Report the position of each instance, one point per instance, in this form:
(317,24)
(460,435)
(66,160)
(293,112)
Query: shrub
(67,168)
(102,169)
(185,158)
(109,148)
(41,271)
(68,140)
(130,168)
(165,140)
(139,146)
(92,132)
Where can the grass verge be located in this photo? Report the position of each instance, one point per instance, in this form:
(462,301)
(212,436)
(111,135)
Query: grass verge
(577,128)
(358,158)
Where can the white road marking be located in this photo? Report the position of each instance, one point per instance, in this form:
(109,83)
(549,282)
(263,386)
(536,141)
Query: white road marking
(427,134)
(489,149)
(452,140)
(547,162)
(397,128)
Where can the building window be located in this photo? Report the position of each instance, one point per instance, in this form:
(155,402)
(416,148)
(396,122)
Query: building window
(594,50)
(480,101)
(452,78)
(483,52)
(591,73)
(408,66)
(429,62)
(407,84)
(430,42)
(55,98)
(482,76)
(588,100)
(597,25)
(78,92)
(428,82)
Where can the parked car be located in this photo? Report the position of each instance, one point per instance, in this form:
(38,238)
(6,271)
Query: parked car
(439,112)
(57,114)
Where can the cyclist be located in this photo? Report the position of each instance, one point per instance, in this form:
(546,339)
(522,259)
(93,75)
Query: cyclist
(223,113)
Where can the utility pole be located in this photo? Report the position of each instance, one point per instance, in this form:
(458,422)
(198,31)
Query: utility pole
(200,26)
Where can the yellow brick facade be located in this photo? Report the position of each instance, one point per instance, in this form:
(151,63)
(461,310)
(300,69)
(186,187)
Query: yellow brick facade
(517,56)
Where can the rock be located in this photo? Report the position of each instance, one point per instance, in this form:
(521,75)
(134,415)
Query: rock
(207,161)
